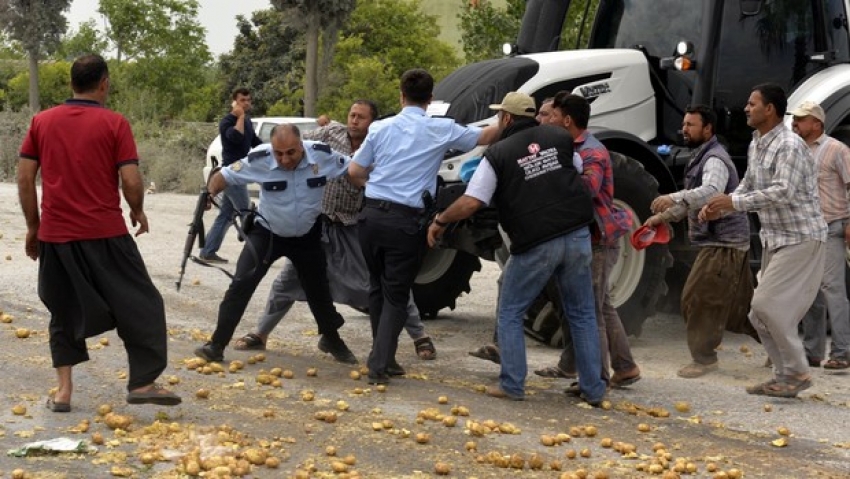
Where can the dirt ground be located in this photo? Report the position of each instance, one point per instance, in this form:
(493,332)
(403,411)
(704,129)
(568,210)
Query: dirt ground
(406,430)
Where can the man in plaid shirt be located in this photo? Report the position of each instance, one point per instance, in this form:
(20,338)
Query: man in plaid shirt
(347,272)
(572,112)
(780,185)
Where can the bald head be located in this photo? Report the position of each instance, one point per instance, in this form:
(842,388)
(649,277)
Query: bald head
(287,146)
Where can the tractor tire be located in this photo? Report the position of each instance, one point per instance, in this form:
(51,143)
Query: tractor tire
(443,277)
(637,282)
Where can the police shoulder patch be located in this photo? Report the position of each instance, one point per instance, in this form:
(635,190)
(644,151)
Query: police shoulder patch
(236,166)
(318,146)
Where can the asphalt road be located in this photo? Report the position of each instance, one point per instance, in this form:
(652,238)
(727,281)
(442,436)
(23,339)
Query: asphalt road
(719,424)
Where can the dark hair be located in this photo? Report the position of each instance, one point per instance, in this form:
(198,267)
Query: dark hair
(707,114)
(574,106)
(417,85)
(373,108)
(240,91)
(773,94)
(87,72)
(292,128)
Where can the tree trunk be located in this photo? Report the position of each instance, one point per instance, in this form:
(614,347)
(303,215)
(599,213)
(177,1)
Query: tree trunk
(330,36)
(35,101)
(311,77)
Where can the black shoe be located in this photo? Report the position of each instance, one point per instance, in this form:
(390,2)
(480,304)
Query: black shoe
(337,348)
(395,369)
(212,259)
(378,378)
(210,352)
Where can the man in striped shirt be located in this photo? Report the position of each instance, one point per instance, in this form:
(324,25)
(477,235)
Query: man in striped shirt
(832,163)
(780,185)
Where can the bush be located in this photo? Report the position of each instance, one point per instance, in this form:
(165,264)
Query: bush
(13,127)
(172,154)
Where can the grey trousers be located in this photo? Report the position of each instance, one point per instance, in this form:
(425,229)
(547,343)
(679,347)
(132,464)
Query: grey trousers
(348,278)
(788,282)
(831,299)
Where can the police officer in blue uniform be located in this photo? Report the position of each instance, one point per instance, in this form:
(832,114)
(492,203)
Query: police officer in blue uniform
(292,174)
(400,157)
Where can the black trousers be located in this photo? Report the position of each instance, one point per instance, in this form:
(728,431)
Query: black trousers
(393,244)
(307,257)
(94,286)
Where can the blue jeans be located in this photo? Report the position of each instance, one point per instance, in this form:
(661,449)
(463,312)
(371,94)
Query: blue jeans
(567,258)
(234,201)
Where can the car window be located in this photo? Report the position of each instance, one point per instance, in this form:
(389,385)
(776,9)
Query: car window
(265,131)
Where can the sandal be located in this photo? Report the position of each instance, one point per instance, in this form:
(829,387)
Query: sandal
(836,363)
(489,352)
(555,372)
(425,348)
(250,342)
(58,406)
(787,388)
(761,388)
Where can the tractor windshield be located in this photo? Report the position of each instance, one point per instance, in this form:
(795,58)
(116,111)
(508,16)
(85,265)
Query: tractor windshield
(656,26)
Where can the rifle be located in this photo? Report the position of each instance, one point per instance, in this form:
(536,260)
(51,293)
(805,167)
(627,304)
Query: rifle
(196,230)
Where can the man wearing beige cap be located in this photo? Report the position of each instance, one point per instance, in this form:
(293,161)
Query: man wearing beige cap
(546,212)
(832,162)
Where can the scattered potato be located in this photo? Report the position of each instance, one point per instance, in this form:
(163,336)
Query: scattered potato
(288,374)
(443,400)
(22,333)
(423,438)
(272,462)
(202,393)
(18,473)
(643,427)
(19,410)
(682,406)
(103,341)
(784,431)
(442,469)
(355,375)
(312,372)
(330,450)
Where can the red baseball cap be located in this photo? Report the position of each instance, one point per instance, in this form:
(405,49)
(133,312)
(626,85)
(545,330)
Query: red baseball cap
(645,236)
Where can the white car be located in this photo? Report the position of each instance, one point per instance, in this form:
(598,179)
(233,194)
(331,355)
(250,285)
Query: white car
(263,127)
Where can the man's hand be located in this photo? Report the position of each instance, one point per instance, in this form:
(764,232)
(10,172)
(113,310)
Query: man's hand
(435,232)
(716,206)
(139,218)
(705,214)
(847,233)
(31,244)
(661,204)
(653,220)
(236,110)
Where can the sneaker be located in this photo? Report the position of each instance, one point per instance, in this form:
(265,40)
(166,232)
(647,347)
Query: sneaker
(210,352)
(695,370)
(212,258)
(337,348)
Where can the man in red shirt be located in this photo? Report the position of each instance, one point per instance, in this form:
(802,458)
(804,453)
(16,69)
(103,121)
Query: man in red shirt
(91,276)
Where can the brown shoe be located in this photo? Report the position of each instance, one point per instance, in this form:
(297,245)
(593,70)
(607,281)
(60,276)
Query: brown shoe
(497,392)
(695,370)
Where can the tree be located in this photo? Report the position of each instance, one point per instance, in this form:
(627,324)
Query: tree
(86,39)
(381,40)
(485,28)
(268,59)
(319,18)
(161,53)
(54,79)
(38,26)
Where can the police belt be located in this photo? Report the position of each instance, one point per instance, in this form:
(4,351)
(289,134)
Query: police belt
(385,205)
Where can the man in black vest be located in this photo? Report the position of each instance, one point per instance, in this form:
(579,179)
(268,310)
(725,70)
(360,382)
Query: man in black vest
(545,211)
(719,288)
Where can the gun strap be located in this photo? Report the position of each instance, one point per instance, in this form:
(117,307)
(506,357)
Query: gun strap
(201,262)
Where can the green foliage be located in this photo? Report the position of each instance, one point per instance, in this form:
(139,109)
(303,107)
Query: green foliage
(86,39)
(383,39)
(485,28)
(172,154)
(54,85)
(36,25)
(167,60)
(268,59)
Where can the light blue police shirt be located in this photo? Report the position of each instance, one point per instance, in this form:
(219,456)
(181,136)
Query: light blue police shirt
(290,200)
(406,151)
